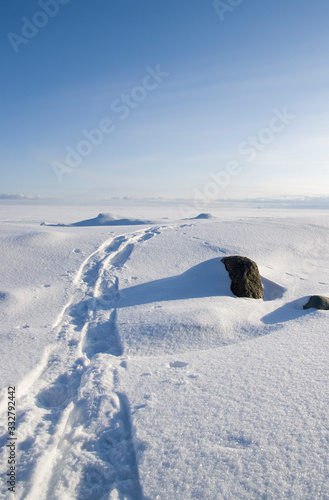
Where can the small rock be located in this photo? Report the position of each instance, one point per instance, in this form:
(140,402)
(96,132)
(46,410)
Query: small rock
(318,302)
(245,277)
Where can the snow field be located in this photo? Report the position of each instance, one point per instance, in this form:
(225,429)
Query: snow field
(151,379)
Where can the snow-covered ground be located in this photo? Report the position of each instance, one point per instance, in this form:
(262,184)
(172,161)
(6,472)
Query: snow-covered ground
(140,376)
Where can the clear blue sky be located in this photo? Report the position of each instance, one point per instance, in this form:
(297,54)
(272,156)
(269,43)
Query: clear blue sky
(226,71)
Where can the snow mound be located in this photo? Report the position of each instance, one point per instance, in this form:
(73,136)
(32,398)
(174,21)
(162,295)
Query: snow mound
(39,240)
(272,290)
(193,310)
(207,279)
(203,216)
(104,220)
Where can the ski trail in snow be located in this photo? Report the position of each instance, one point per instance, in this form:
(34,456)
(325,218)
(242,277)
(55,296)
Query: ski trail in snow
(75,431)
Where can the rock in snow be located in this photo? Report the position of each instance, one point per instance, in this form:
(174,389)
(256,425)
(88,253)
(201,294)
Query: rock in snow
(245,277)
(318,302)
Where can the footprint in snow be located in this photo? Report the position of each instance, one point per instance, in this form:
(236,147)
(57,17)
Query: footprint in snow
(177,364)
(63,390)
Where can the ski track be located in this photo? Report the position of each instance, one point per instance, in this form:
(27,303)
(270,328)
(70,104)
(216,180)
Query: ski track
(74,428)
(71,422)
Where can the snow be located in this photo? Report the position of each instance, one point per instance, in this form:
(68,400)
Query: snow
(105,220)
(140,375)
(202,216)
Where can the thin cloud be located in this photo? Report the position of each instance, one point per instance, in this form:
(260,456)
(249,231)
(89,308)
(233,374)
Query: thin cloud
(18,196)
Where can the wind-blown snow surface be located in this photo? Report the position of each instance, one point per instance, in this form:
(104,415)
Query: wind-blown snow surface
(140,375)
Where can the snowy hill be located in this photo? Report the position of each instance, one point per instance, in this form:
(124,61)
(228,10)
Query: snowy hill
(105,220)
(139,374)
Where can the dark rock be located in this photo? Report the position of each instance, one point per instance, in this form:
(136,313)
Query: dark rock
(318,302)
(245,277)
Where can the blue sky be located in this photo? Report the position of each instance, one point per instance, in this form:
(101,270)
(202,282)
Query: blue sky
(182,88)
